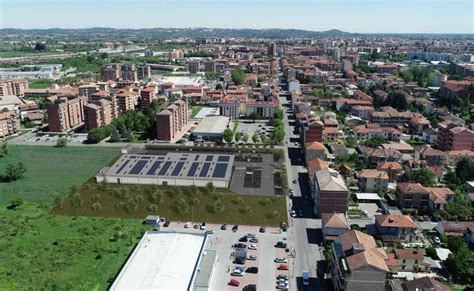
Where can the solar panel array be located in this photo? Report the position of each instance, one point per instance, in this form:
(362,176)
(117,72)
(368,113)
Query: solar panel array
(174,165)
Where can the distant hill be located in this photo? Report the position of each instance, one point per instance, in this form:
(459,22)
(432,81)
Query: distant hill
(175,32)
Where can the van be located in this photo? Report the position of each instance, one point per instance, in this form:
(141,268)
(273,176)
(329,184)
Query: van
(305,278)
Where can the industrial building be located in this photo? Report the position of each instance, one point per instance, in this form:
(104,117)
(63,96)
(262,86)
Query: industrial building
(180,169)
(211,128)
(168,261)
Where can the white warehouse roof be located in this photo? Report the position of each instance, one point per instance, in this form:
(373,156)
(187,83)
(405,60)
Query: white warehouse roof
(162,261)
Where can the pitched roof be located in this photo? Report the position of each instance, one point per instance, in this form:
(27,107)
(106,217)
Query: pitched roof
(412,254)
(349,238)
(424,283)
(411,188)
(315,146)
(367,258)
(316,165)
(394,220)
(372,174)
(334,220)
(389,166)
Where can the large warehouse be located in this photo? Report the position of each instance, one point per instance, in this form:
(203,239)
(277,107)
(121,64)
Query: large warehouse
(168,261)
(180,169)
(211,127)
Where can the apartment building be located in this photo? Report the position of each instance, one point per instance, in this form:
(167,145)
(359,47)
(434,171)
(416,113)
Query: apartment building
(147,95)
(9,123)
(236,107)
(15,87)
(393,169)
(371,130)
(98,113)
(396,228)
(126,100)
(65,114)
(328,188)
(143,72)
(312,131)
(453,137)
(357,263)
(171,120)
(372,181)
(453,157)
(390,117)
(116,72)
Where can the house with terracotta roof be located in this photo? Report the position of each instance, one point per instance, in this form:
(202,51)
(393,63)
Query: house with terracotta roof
(412,195)
(409,260)
(330,134)
(358,264)
(403,148)
(453,157)
(420,284)
(314,150)
(463,229)
(439,197)
(393,169)
(396,228)
(433,157)
(333,225)
(375,156)
(372,181)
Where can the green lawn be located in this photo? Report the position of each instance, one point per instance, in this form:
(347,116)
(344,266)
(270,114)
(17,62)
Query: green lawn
(262,210)
(52,170)
(43,251)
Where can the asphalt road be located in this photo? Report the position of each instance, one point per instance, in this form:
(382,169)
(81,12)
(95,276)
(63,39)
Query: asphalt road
(304,234)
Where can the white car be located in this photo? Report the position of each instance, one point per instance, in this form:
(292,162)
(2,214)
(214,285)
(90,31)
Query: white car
(252,247)
(437,240)
(187,225)
(282,285)
(281,260)
(293,213)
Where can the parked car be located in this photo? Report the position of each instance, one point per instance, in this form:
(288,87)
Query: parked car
(437,240)
(253,240)
(252,270)
(282,285)
(282,276)
(250,235)
(196,226)
(251,258)
(243,239)
(283,267)
(239,261)
(250,287)
(240,245)
(281,260)
(167,223)
(235,228)
(281,245)
(234,282)
(224,227)
(295,181)
(187,224)
(203,226)
(282,280)
(252,247)
(263,229)
(293,213)
(305,278)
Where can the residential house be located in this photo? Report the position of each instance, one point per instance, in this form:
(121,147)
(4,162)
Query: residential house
(314,150)
(393,169)
(375,156)
(396,228)
(439,197)
(421,284)
(453,157)
(429,135)
(358,264)
(433,157)
(463,229)
(410,260)
(372,181)
(333,225)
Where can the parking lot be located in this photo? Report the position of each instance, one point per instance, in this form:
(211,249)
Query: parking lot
(266,252)
(51,139)
(250,128)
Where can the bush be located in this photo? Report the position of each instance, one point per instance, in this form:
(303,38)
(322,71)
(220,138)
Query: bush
(96,206)
(13,172)
(139,198)
(61,142)
(153,207)
(431,252)
(16,202)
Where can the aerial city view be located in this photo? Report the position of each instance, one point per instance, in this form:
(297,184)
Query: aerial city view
(237,145)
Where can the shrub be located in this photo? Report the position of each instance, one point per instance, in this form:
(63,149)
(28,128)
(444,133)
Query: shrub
(61,142)
(153,207)
(139,198)
(16,202)
(96,206)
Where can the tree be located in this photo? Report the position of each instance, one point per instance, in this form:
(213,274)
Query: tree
(193,190)
(238,76)
(61,142)
(115,137)
(156,196)
(255,138)
(96,206)
(245,138)
(238,136)
(374,141)
(431,252)
(218,206)
(397,100)
(465,170)
(131,205)
(95,135)
(176,192)
(228,135)
(350,141)
(279,113)
(4,150)
(254,115)
(460,263)
(425,177)
(278,134)
(153,208)
(210,187)
(13,172)
(16,202)
(182,206)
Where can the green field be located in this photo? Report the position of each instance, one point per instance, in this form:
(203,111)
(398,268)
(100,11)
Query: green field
(43,251)
(51,170)
(237,209)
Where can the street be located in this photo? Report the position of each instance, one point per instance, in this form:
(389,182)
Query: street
(304,234)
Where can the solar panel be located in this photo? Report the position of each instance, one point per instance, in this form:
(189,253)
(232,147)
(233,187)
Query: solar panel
(196,158)
(205,169)
(123,166)
(133,157)
(223,158)
(177,169)
(145,157)
(165,168)
(219,170)
(209,158)
(192,170)
(138,167)
(153,168)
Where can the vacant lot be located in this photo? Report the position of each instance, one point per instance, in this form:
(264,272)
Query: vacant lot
(43,251)
(137,201)
(51,170)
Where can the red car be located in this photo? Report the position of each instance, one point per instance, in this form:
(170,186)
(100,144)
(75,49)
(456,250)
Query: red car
(234,282)
(283,267)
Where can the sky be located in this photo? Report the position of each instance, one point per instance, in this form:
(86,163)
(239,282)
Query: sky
(364,16)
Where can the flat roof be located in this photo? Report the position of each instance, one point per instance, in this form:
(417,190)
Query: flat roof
(173,165)
(162,261)
(368,196)
(207,111)
(206,266)
(211,125)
